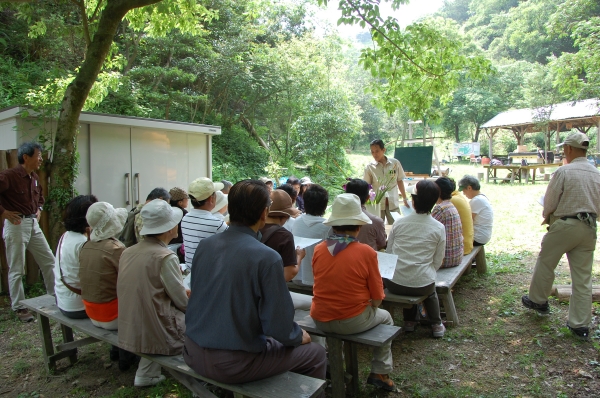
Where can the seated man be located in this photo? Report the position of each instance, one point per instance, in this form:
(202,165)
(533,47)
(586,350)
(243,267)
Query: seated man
(481,209)
(200,223)
(240,298)
(310,225)
(348,286)
(445,212)
(370,234)
(466,219)
(152,298)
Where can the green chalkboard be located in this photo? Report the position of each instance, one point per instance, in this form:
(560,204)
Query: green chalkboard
(417,160)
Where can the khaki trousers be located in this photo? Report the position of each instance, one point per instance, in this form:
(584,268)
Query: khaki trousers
(18,239)
(382,356)
(578,241)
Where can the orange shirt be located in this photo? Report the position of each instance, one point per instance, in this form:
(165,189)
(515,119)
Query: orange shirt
(344,283)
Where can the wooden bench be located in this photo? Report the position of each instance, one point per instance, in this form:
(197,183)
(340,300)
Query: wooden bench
(378,336)
(286,384)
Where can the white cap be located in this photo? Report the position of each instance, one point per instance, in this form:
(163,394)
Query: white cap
(201,188)
(220,203)
(576,140)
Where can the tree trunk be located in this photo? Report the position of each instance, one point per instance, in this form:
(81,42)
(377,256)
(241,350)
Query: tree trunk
(477,131)
(456,133)
(63,169)
(250,129)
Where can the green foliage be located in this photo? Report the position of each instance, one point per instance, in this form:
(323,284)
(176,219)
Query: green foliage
(236,156)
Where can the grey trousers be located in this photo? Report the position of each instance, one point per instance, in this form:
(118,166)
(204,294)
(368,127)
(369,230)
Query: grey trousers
(228,366)
(382,362)
(578,241)
(18,239)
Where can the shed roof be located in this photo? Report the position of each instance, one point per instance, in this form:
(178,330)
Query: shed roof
(90,117)
(585,111)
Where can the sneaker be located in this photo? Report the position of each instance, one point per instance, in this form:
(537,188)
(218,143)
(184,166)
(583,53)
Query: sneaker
(582,332)
(409,326)
(141,381)
(24,315)
(438,330)
(543,309)
(381,381)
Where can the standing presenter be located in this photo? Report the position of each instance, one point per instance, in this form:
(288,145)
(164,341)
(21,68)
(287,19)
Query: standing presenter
(380,170)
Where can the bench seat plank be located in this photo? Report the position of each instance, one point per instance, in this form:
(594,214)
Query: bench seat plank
(285,384)
(377,336)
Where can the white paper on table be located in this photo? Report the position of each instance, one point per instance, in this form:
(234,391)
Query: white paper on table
(395,215)
(187,281)
(305,242)
(541,200)
(387,264)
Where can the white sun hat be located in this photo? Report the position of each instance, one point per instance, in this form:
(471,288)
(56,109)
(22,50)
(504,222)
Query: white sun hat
(159,217)
(346,210)
(221,202)
(105,221)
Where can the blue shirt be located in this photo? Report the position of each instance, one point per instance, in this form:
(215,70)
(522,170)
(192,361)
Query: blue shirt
(239,295)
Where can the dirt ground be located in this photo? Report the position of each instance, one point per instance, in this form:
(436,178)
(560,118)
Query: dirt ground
(499,349)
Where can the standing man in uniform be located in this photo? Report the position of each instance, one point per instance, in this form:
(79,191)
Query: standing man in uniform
(571,206)
(21,201)
(378,171)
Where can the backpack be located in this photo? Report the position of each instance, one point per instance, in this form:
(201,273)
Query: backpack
(128,234)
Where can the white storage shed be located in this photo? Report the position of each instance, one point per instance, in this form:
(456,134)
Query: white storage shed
(123,158)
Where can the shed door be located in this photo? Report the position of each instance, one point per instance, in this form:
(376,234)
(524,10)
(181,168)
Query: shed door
(159,159)
(110,164)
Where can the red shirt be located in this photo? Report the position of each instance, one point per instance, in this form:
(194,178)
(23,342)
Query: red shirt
(344,283)
(20,191)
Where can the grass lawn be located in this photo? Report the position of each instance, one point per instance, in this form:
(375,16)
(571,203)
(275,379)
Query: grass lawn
(499,349)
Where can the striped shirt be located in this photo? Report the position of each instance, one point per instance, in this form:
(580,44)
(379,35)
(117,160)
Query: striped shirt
(447,214)
(195,226)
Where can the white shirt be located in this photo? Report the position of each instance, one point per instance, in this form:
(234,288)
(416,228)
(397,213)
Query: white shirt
(483,220)
(68,254)
(376,172)
(420,243)
(195,226)
(308,226)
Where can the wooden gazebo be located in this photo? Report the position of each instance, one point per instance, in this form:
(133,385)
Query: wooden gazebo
(557,118)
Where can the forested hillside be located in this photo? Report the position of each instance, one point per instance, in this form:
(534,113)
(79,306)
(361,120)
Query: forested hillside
(289,95)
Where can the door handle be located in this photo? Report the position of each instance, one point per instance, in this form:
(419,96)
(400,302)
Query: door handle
(137,176)
(127,189)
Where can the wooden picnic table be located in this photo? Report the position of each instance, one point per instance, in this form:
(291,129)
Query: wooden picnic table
(493,170)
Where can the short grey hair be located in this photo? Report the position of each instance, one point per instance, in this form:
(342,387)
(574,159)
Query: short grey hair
(28,149)
(159,193)
(469,181)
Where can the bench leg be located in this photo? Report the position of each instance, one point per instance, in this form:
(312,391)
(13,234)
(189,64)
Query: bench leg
(480,261)
(448,302)
(194,385)
(351,357)
(67,334)
(336,367)
(47,346)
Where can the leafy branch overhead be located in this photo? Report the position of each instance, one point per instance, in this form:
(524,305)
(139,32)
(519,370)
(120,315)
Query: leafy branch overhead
(414,66)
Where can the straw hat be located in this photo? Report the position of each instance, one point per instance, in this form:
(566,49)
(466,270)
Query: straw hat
(159,217)
(201,188)
(105,221)
(282,205)
(346,210)
(220,203)
(178,194)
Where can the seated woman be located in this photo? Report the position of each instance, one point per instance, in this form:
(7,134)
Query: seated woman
(445,212)
(99,260)
(179,199)
(220,209)
(420,243)
(347,288)
(152,298)
(66,266)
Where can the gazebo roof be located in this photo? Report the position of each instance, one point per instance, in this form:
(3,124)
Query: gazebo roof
(565,116)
